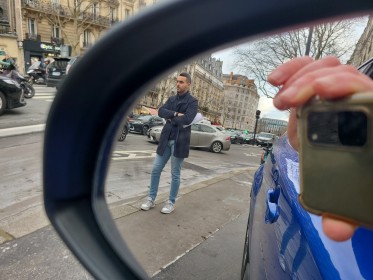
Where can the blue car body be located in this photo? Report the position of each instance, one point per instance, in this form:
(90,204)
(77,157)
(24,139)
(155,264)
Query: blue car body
(286,242)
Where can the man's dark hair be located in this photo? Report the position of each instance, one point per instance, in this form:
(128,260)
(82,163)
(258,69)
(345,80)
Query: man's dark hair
(187,76)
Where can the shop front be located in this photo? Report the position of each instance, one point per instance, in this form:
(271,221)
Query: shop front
(37,50)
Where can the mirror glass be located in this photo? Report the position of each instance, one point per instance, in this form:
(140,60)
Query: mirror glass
(212,203)
(207,228)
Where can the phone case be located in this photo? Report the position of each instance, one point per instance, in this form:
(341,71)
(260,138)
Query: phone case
(334,178)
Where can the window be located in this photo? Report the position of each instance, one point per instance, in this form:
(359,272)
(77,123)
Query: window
(55,4)
(56,31)
(207,129)
(95,10)
(127,13)
(87,38)
(113,14)
(30,2)
(32,26)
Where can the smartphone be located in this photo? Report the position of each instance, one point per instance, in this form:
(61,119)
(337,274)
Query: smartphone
(336,157)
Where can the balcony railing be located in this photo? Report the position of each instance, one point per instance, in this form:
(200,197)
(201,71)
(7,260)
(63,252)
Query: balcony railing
(5,29)
(57,41)
(31,36)
(46,6)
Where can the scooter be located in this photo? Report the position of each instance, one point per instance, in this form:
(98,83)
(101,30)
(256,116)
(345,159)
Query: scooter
(36,74)
(28,90)
(267,151)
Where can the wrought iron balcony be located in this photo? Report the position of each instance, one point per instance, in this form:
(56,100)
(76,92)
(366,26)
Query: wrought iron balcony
(57,41)
(47,7)
(30,36)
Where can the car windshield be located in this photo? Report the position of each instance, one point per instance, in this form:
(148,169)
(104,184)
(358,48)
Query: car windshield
(145,118)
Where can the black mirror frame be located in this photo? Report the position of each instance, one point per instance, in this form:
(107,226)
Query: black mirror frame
(87,110)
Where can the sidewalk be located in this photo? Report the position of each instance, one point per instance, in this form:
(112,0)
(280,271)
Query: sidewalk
(157,240)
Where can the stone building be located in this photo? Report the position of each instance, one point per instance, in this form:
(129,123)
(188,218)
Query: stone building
(208,87)
(240,102)
(274,126)
(8,30)
(364,48)
(37,29)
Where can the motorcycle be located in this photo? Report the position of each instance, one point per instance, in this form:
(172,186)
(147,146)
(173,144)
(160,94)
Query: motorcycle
(36,74)
(28,90)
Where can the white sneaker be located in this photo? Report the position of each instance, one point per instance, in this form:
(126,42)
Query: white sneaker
(168,208)
(149,203)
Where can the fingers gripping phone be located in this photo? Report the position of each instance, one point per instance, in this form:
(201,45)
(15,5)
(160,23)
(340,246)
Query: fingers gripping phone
(336,157)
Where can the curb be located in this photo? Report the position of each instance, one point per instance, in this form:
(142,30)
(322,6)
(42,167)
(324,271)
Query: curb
(20,130)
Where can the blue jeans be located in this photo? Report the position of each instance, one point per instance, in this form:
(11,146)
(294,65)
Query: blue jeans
(159,164)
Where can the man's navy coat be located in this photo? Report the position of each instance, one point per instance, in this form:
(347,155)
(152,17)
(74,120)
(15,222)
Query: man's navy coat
(189,107)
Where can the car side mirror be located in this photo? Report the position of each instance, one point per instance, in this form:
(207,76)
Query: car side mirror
(76,156)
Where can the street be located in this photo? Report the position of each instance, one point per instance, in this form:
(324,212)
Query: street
(217,185)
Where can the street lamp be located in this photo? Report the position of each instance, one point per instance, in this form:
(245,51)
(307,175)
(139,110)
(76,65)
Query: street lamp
(257,114)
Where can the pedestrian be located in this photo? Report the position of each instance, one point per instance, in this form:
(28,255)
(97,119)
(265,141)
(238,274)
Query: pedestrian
(178,111)
(8,64)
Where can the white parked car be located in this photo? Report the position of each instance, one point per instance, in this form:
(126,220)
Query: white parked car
(203,136)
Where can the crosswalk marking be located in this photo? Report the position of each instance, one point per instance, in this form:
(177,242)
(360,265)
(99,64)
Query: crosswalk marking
(44,93)
(125,155)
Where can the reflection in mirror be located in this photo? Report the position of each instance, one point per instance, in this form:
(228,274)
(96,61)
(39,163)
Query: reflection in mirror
(215,179)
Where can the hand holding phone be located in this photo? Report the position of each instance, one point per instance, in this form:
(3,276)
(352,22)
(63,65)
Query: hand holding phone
(336,157)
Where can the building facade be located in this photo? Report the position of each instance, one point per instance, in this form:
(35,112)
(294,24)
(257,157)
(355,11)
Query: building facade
(38,29)
(275,126)
(364,48)
(8,30)
(241,101)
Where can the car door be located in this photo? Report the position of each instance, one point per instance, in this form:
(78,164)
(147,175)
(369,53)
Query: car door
(195,135)
(157,121)
(206,136)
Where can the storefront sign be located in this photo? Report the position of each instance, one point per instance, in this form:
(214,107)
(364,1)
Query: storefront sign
(48,47)
(42,47)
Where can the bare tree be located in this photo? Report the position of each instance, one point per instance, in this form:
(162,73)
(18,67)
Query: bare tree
(76,16)
(259,58)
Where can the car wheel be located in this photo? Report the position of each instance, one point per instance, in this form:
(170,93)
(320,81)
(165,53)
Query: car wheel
(216,147)
(145,130)
(28,90)
(245,257)
(2,103)
(123,133)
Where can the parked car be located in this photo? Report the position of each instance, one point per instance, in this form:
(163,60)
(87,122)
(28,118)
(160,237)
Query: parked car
(265,138)
(143,123)
(11,95)
(290,238)
(124,130)
(56,71)
(245,138)
(234,136)
(203,136)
